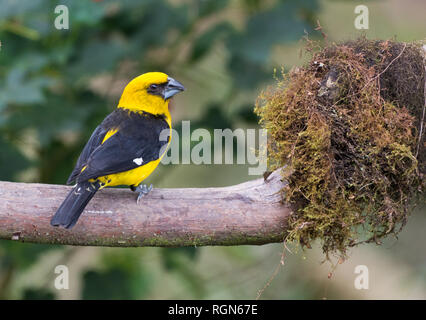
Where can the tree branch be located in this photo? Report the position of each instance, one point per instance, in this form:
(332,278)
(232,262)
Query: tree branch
(248,213)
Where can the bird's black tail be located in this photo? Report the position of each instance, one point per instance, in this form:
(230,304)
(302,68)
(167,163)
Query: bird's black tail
(74,204)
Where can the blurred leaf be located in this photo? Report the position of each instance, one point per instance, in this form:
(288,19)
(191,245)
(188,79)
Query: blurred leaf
(22,255)
(171,256)
(250,49)
(207,7)
(247,74)
(129,262)
(91,62)
(11,8)
(57,116)
(31,62)
(205,41)
(245,112)
(278,25)
(155,22)
(214,118)
(38,294)
(85,12)
(181,260)
(107,285)
(115,283)
(20,90)
(11,161)
(252,5)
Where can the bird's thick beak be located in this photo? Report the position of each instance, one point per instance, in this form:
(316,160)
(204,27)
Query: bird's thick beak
(173,87)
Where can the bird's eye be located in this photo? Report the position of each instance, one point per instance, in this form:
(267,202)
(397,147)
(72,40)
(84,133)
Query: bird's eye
(153,86)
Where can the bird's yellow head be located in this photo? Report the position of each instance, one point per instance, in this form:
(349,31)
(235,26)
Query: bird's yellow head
(150,92)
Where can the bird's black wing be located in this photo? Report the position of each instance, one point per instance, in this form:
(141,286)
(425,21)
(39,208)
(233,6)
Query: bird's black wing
(136,143)
(113,121)
(94,141)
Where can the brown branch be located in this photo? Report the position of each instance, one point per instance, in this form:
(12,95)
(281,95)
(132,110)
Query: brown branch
(248,213)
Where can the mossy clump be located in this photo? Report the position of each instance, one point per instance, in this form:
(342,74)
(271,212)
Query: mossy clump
(345,128)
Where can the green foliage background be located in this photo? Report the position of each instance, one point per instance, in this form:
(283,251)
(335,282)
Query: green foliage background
(57,85)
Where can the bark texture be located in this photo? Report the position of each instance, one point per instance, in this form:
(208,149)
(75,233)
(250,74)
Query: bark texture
(245,214)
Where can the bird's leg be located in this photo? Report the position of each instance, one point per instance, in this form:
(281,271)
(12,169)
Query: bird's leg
(143,190)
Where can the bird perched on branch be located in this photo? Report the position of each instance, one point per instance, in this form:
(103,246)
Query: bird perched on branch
(126,147)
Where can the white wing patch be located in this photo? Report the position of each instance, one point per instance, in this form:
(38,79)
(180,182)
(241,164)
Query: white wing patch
(138,161)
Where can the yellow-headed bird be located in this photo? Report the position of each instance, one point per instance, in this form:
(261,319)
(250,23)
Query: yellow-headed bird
(126,147)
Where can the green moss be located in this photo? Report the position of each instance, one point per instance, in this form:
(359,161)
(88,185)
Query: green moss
(346,139)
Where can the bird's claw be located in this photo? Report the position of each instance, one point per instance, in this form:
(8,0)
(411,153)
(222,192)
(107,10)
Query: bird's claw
(143,190)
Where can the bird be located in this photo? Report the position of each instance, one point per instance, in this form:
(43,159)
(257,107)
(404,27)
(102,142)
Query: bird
(125,148)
